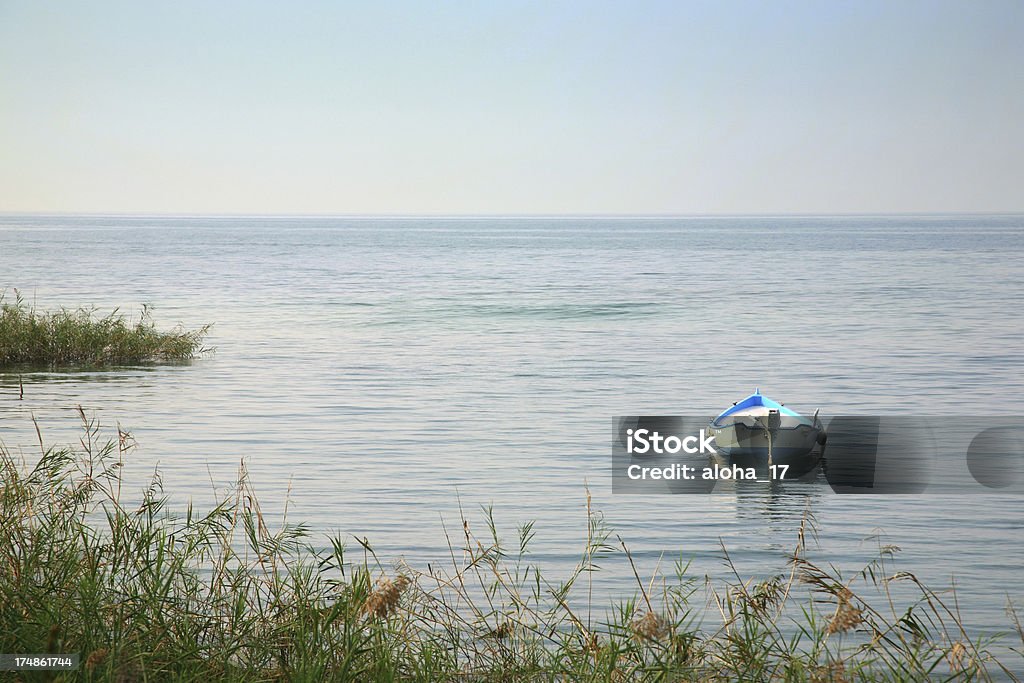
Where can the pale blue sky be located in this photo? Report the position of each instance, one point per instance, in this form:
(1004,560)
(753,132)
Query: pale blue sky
(450,108)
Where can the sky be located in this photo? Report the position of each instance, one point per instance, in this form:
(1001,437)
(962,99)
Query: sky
(511,108)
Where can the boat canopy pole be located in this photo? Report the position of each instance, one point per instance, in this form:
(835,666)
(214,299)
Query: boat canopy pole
(769,422)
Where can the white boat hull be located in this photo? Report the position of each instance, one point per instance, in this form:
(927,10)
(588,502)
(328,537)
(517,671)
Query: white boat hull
(738,439)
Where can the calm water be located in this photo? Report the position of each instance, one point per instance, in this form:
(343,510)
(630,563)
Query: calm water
(383,369)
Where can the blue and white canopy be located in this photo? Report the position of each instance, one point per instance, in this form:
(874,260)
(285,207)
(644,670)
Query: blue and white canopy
(756,405)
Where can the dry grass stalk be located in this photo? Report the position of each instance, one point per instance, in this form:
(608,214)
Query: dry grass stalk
(955,657)
(651,626)
(847,616)
(96,657)
(384,598)
(835,672)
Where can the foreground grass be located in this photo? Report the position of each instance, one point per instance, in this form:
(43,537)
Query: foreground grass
(80,337)
(143,595)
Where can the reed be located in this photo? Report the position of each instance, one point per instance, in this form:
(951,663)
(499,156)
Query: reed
(81,337)
(143,594)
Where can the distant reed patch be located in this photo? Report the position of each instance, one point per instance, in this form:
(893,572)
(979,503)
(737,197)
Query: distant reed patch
(84,337)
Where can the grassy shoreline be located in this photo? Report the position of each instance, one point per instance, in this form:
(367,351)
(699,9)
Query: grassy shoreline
(142,594)
(81,337)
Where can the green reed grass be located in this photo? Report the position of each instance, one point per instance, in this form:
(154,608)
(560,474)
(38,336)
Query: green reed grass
(81,337)
(143,594)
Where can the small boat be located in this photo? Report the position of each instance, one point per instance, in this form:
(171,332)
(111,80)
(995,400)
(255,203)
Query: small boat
(760,428)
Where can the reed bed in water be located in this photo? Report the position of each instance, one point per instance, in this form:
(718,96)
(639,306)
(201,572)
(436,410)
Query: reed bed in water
(81,337)
(143,594)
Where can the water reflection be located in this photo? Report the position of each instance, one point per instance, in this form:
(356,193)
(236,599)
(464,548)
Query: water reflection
(38,374)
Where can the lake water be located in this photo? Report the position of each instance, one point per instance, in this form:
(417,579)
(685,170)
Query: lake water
(384,369)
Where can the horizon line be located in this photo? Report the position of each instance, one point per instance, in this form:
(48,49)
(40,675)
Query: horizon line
(567,216)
